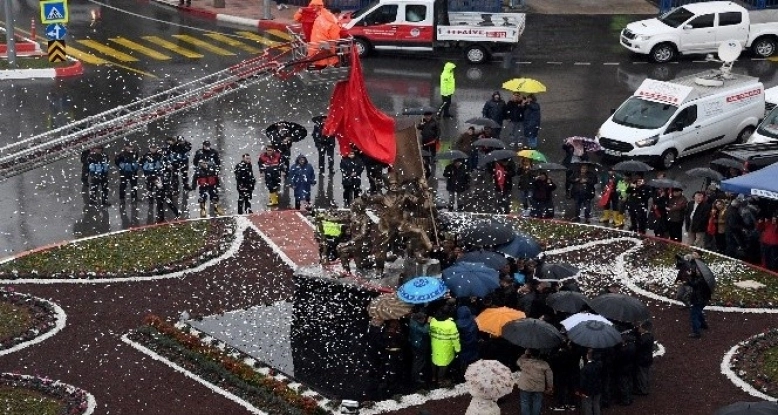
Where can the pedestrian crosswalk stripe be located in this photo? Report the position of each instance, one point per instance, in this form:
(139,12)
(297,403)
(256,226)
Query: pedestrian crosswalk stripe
(204,45)
(173,47)
(129,44)
(279,34)
(257,38)
(107,50)
(232,42)
(85,57)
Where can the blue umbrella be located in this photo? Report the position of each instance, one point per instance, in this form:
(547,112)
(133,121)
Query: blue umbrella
(522,246)
(490,259)
(422,290)
(470,279)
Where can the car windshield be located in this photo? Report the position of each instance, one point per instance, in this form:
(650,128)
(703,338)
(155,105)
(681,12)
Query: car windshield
(364,10)
(769,127)
(642,114)
(676,17)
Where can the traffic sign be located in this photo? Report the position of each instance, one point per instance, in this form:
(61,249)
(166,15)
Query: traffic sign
(57,51)
(56,31)
(54,11)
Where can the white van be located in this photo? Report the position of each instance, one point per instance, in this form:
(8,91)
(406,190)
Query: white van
(767,130)
(663,121)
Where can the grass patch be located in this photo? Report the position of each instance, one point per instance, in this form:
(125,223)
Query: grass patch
(14,320)
(661,256)
(149,250)
(32,62)
(558,234)
(18,401)
(771,364)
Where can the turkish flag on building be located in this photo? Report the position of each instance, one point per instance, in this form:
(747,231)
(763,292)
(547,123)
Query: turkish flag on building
(353,119)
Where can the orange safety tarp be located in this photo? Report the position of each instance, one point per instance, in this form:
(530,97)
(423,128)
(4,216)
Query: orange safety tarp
(492,320)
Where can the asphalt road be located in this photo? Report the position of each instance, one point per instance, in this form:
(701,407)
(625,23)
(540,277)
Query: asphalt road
(577,57)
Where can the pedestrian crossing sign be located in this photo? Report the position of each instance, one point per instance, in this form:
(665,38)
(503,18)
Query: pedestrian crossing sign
(54,11)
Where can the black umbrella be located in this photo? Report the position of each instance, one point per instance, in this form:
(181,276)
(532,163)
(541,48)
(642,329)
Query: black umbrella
(419,110)
(532,333)
(486,233)
(632,166)
(282,129)
(665,184)
(495,156)
(749,408)
(567,301)
(705,173)
(594,334)
(557,271)
(548,166)
(452,155)
(490,259)
(486,122)
(490,143)
(729,163)
(706,273)
(620,307)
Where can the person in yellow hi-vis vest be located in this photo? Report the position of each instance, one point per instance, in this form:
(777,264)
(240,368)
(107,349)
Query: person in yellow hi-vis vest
(444,337)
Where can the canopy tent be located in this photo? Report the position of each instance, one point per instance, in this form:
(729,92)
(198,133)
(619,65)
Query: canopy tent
(760,183)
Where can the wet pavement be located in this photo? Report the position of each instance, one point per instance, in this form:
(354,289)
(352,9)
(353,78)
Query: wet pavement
(586,73)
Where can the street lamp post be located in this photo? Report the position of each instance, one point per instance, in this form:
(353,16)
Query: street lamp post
(9,34)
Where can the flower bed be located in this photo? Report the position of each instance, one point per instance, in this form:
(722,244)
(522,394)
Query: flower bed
(149,251)
(24,318)
(225,369)
(558,234)
(652,267)
(756,362)
(25,395)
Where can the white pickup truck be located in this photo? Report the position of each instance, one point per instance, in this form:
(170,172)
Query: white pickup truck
(700,28)
(426,25)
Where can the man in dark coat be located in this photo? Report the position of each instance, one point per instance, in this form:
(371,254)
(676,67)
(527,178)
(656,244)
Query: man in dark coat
(351,167)
(638,195)
(736,242)
(128,164)
(98,176)
(696,220)
(457,182)
(245,181)
(590,384)
(644,358)
(429,131)
(208,154)
(582,190)
(325,145)
(180,155)
(152,166)
(514,112)
(542,196)
(624,366)
(698,298)
(166,187)
(494,109)
(531,120)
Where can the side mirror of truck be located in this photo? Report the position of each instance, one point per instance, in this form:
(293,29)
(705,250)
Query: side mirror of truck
(613,111)
(678,126)
(687,27)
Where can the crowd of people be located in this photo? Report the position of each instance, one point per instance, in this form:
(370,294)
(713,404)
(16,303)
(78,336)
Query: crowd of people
(434,345)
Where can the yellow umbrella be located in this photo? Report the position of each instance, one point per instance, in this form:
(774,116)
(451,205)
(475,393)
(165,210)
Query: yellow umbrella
(491,320)
(525,85)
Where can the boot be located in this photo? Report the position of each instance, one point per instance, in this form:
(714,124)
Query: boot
(203,211)
(273,199)
(219,210)
(606,216)
(618,220)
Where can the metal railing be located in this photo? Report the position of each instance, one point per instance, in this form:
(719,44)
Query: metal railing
(280,61)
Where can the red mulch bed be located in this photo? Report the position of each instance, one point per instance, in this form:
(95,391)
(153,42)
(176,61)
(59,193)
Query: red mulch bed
(89,354)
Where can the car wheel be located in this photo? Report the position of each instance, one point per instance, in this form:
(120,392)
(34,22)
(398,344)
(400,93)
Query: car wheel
(663,52)
(744,135)
(363,47)
(476,54)
(764,47)
(667,159)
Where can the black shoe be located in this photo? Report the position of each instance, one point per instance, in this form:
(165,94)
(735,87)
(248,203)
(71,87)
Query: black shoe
(106,203)
(704,326)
